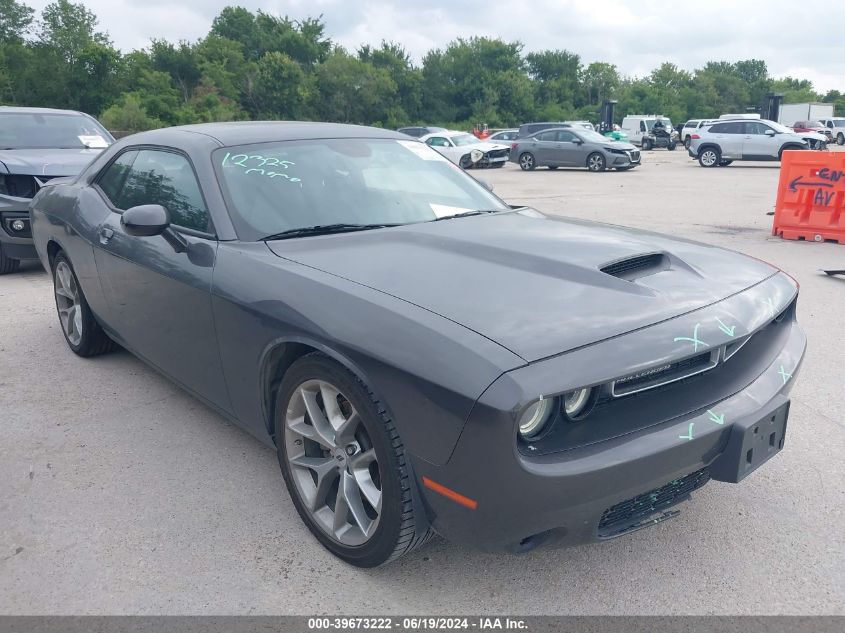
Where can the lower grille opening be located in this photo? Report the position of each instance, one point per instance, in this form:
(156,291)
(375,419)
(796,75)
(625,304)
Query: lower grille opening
(628,515)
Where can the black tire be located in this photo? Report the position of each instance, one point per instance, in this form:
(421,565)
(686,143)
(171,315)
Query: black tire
(93,340)
(596,162)
(647,145)
(553,167)
(671,147)
(787,148)
(7,264)
(687,142)
(401,527)
(498,165)
(840,139)
(709,157)
(724,163)
(527,162)
(465,162)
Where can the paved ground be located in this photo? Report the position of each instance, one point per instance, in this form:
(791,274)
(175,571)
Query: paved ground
(122,494)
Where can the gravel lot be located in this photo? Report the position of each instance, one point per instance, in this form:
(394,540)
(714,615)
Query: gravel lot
(122,494)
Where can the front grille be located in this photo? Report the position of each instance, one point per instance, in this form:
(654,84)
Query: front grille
(498,153)
(635,155)
(638,266)
(628,515)
(670,372)
(20,186)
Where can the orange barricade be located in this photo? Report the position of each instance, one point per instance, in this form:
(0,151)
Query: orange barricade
(811,196)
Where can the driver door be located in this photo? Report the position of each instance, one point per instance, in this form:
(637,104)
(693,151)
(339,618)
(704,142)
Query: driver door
(159,300)
(756,144)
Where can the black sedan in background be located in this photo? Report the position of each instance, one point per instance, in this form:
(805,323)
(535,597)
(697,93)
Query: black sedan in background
(423,357)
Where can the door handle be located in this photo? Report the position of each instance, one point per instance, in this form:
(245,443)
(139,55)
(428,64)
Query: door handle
(105,235)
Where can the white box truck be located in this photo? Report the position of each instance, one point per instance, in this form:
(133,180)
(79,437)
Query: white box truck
(792,112)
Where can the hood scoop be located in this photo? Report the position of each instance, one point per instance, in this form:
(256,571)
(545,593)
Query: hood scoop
(632,268)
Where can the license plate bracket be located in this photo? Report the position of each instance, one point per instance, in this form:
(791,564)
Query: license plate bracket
(751,444)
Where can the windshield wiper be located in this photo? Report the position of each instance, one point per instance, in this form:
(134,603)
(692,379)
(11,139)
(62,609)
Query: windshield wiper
(323,229)
(465,214)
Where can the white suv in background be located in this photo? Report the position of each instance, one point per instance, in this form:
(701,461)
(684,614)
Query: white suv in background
(723,142)
(836,127)
(691,127)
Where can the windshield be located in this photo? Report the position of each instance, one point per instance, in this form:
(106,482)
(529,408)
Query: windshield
(780,129)
(464,139)
(51,131)
(279,186)
(595,137)
(814,124)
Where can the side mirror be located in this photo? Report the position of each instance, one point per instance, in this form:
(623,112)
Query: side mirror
(770,132)
(578,141)
(145,220)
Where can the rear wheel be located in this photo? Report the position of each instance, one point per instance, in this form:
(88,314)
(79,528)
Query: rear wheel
(83,334)
(7,264)
(671,147)
(344,464)
(596,162)
(527,161)
(687,142)
(709,157)
(840,139)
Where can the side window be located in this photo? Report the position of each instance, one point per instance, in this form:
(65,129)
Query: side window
(734,127)
(547,136)
(165,178)
(565,137)
(754,127)
(642,126)
(437,141)
(111,181)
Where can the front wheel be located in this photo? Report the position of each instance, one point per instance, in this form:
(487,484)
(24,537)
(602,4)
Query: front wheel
(527,161)
(83,334)
(646,145)
(344,464)
(7,264)
(709,157)
(465,162)
(596,162)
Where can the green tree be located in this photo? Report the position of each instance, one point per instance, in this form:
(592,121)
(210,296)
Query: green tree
(15,20)
(280,87)
(128,115)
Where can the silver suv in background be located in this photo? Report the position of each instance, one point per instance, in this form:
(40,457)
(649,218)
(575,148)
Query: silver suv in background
(573,147)
(723,142)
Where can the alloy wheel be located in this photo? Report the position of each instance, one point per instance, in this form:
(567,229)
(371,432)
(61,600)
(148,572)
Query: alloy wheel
(67,301)
(708,158)
(595,163)
(333,463)
(526,161)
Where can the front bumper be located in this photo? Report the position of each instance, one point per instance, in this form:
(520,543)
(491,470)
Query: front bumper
(16,244)
(525,500)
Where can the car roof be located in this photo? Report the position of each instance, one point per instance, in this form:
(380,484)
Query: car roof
(252,132)
(27,110)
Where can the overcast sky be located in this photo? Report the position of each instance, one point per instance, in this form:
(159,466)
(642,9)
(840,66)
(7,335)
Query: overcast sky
(636,35)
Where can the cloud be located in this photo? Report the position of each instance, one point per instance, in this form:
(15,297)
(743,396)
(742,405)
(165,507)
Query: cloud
(636,36)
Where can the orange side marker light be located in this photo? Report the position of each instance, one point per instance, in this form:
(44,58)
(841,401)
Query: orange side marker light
(457,497)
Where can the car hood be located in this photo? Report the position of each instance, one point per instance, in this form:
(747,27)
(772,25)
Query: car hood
(619,145)
(530,282)
(47,162)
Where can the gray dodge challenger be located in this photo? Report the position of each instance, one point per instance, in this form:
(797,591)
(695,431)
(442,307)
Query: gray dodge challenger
(423,357)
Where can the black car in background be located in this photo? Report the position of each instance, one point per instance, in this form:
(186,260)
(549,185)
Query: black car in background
(422,356)
(37,145)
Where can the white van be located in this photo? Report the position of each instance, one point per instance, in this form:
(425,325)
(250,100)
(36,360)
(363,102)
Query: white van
(836,126)
(640,131)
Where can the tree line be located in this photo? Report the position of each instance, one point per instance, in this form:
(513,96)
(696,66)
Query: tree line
(254,65)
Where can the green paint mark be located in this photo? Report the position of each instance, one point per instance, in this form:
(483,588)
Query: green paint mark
(694,340)
(727,330)
(688,436)
(784,374)
(718,419)
(770,304)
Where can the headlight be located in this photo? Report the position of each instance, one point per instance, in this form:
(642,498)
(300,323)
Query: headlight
(578,403)
(535,416)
